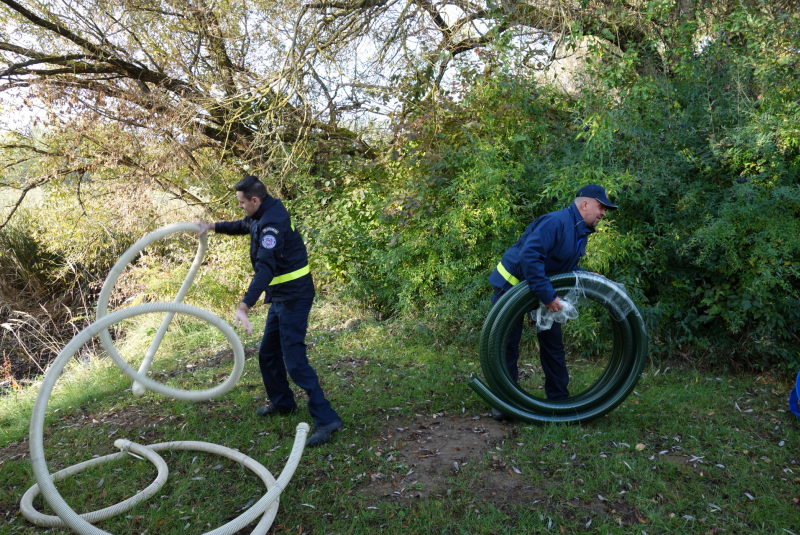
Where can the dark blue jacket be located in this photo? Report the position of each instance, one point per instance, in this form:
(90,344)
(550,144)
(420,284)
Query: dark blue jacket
(552,244)
(277,253)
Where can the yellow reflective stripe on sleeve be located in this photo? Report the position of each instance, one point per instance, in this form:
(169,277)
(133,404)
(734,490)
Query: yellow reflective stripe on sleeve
(290,276)
(506,275)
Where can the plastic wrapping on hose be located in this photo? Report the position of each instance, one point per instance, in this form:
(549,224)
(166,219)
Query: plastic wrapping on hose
(625,363)
(543,319)
(618,296)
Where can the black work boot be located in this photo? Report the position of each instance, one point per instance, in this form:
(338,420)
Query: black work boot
(323,433)
(274,410)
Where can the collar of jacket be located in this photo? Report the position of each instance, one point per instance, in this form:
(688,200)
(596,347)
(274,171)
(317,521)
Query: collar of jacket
(580,224)
(265,204)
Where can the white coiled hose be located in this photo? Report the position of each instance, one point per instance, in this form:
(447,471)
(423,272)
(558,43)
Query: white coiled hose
(128,257)
(267,505)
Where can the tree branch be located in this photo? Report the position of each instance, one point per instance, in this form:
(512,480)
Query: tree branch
(140,73)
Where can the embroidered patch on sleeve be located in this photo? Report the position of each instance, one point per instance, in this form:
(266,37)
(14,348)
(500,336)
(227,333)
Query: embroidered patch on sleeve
(269,229)
(268,241)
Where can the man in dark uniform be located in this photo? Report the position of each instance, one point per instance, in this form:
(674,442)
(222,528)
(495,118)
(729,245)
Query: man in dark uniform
(552,244)
(280,261)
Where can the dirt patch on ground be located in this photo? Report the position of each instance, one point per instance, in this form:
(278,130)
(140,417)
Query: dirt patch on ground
(14,450)
(433,450)
(225,355)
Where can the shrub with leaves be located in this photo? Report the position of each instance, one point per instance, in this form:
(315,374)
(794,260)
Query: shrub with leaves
(701,153)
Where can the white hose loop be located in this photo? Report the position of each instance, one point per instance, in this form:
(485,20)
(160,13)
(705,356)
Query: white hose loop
(49,521)
(269,501)
(267,505)
(128,257)
(101,326)
(288,471)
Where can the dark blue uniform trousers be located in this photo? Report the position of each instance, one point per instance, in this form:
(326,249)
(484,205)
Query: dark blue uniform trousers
(283,349)
(551,354)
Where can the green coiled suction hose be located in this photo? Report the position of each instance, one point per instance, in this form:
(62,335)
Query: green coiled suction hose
(625,364)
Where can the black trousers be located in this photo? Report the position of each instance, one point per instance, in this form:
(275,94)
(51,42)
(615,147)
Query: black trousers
(282,351)
(551,354)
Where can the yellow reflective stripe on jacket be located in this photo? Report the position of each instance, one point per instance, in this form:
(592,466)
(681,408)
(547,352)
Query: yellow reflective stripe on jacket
(506,275)
(290,276)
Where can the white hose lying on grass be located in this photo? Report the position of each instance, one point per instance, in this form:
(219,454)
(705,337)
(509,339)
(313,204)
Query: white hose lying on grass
(34,516)
(267,505)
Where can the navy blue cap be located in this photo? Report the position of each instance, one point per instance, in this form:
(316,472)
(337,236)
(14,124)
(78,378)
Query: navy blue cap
(596,192)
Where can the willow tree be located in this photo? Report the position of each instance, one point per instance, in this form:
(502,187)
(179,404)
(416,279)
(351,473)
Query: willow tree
(174,93)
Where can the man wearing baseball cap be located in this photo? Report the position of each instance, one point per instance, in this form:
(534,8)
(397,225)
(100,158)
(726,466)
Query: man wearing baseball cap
(553,243)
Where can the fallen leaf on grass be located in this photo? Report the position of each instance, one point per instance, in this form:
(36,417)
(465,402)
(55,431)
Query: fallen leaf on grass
(640,447)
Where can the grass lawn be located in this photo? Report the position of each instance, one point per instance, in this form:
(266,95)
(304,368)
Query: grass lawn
(688,452)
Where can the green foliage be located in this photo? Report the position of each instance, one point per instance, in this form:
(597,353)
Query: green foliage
(415,231)
(26,264)
(693,128)
(694,131)
(38,277)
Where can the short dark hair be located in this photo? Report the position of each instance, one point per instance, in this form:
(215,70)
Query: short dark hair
(251,187)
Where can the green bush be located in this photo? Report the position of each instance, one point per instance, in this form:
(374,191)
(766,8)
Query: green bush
(26,265)
(693,128)
(702,153)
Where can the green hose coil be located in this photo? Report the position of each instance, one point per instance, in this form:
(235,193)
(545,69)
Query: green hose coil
(625,365)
